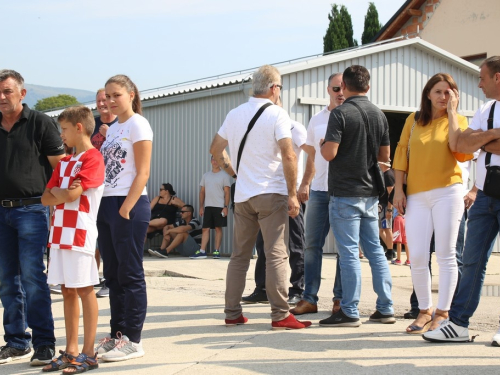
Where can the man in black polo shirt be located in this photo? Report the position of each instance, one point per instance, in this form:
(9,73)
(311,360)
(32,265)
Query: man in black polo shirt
(354,196)
(30,147)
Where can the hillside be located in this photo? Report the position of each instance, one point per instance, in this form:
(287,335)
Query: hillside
(36,92)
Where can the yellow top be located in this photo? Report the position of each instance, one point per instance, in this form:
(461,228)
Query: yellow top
(432,164)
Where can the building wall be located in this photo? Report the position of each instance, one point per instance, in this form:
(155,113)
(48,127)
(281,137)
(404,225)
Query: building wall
(183,131)
(461,27)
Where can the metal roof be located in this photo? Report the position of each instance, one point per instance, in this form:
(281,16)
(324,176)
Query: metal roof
(292,66)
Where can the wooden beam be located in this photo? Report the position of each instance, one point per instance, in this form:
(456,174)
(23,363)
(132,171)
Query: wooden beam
(414,12)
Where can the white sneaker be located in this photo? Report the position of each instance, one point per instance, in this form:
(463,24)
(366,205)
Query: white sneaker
(447,331)
(495,341)
(124,349)
(105,345)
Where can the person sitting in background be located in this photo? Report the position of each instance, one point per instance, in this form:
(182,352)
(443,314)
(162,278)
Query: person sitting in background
(184,235)
(164,208)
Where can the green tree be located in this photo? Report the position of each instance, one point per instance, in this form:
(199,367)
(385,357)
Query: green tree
(58,101)
(372,24)
(339,34)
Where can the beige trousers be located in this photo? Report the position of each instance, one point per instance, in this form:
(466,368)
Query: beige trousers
(268,212)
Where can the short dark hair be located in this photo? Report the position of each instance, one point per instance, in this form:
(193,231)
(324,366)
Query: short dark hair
(9,73)
(79,114)
(189,208)
(356,78)
(493,64)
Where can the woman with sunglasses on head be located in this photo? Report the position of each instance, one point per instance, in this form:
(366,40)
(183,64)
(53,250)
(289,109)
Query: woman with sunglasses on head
(164,208)
(123,219)
(434,196)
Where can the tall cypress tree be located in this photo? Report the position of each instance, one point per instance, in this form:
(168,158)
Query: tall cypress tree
(339,34)
(372,24)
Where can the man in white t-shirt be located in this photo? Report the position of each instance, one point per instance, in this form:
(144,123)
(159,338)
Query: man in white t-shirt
(296,236)
(484,216)
(265,194)
(317,221)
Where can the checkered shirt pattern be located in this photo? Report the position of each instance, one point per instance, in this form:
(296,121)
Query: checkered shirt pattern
(72,221)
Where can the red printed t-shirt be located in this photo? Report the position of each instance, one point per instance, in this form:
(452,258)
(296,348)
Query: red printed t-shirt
(74,223)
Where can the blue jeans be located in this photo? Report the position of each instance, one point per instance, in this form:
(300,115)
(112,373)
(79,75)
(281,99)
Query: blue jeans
(24,291)
(482,229)
(354,222)
(317,227)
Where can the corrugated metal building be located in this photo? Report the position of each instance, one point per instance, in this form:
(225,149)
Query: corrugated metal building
(185,117)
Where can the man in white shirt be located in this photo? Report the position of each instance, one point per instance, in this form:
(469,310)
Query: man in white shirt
(317,222)
(484,216)
(265,194)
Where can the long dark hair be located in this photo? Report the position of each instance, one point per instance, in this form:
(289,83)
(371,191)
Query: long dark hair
(125,81)
(425,103)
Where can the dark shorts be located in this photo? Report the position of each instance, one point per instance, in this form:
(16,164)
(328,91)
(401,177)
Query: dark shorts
(212,218)
(188,248)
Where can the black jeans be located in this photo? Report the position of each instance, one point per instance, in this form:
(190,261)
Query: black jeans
(296,244)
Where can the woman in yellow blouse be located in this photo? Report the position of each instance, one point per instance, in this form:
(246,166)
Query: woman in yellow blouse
(434,196)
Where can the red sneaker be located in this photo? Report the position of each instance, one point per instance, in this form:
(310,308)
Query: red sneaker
(235,322)
(289,323)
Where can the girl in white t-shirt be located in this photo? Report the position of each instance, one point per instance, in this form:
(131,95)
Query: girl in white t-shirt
(123,219)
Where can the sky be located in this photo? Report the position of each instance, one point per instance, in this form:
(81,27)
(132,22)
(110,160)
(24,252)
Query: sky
(81,43)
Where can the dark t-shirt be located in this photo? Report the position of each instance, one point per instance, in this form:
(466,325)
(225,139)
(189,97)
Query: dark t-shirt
(389,180)
(350,174)
(24,166)
(97,138)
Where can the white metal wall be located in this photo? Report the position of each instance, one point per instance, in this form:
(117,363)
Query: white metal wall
(183,131)
(184,126)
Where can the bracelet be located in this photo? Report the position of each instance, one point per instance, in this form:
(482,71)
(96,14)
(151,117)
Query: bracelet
(483,148)
(388,209)
(234,175)
(225,206)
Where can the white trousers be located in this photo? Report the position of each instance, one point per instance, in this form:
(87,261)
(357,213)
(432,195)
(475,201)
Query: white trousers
(439,211)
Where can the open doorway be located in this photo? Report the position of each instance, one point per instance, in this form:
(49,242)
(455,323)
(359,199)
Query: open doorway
(396,123)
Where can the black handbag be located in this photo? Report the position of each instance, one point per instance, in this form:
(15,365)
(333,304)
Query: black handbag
(491,185)
(242,144)
(377,172)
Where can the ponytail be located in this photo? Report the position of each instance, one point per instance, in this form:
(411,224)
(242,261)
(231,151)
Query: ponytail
(124,81)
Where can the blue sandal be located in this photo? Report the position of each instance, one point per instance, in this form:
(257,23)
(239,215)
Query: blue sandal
(57,364)
(82,363)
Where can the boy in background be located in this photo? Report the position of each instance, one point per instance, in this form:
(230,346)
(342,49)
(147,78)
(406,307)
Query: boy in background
(75,190)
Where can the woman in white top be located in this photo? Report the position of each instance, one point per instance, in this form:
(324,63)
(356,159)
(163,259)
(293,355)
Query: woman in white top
(123,219)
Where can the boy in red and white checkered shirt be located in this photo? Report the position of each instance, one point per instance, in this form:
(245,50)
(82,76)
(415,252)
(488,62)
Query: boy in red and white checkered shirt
(75,190)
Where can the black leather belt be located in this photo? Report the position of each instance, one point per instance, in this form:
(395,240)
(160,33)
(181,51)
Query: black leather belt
(11,203)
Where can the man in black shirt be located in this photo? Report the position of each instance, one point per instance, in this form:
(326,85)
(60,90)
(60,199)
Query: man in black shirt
(30,147)
(354,196)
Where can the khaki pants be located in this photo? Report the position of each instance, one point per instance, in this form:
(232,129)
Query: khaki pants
(268,212)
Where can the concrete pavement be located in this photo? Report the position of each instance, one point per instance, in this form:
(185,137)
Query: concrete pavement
(184,331)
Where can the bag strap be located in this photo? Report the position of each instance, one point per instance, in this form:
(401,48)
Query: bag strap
(250,126)
(487,160)
(368,135)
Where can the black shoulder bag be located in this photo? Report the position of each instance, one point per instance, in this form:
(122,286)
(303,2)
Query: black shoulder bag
(491,185)
(377,172)
(242,144)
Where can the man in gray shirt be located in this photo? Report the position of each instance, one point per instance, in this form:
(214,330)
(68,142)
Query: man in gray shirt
(215,189)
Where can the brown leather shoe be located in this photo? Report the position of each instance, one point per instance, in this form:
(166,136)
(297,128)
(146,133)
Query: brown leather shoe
(304,307)
(336,306)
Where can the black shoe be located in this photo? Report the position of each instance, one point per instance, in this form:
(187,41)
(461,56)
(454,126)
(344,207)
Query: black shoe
(339,319)
(102,280)
(377,316)
(293,300)
(43,355)
(258,296)
(411,314)
(9,354)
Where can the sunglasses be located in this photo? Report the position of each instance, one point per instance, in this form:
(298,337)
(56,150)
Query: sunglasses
(335,88)
(162,189)
(183,212)
(280,86)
